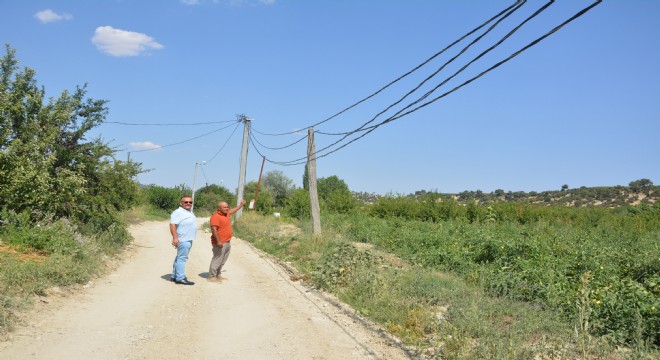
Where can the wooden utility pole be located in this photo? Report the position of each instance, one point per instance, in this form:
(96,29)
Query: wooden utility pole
(241,174)
(311,178)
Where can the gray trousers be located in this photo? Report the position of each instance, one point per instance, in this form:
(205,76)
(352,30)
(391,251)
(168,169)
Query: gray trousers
(220,256)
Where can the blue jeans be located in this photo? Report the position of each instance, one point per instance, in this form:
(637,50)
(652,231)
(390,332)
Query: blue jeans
(179,267)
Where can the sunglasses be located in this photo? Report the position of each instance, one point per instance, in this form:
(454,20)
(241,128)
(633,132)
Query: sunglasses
(187,202)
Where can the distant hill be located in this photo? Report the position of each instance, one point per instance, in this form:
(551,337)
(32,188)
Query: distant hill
(637,192)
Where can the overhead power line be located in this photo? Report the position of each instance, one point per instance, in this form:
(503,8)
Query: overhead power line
(401,114)
(223,145)
(277,148)
(502,16)
(463,68)
(181,142)
(497,18)
(256,148)
(514,5)
(166,124)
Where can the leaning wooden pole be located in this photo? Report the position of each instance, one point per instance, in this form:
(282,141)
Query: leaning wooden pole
(311,178)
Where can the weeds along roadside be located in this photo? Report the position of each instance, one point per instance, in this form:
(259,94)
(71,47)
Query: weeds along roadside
(441,315)
(36,258)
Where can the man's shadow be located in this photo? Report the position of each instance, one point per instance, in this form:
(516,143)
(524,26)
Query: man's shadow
(168,277)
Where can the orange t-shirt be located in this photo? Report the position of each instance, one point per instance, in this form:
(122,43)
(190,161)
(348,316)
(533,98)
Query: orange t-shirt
(223,222)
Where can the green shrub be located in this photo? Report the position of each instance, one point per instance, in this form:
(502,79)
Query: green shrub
(58,237)
(343,264)
(163,198)
(297,204)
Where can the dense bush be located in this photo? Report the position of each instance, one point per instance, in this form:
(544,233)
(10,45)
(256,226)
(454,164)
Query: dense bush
(342,264)
(334,195)
(265,199)
(339,201)
(426,208)
(297,204)
(163,198)
(208,197)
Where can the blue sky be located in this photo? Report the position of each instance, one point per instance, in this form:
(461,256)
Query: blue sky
(582,107)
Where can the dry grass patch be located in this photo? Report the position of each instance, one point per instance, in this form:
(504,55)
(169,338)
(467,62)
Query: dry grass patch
(20,255)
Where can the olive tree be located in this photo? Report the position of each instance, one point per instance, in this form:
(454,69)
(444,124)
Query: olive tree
(278,185)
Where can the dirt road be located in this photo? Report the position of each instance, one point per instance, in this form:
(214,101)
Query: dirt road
(135,312)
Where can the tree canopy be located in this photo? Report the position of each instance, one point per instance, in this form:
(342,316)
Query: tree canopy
(48,166)
(279,185)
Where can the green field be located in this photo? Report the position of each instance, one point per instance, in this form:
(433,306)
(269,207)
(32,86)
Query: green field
(588,278)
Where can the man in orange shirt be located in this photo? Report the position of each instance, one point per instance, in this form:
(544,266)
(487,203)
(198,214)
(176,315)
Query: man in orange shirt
(221,238)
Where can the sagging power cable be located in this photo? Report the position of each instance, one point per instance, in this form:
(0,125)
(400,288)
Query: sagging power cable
(464,67)
(400,115)
(428,78)
(477,39)
(164,124)
(223,145)
(515,4)
(276,148)
(181,142)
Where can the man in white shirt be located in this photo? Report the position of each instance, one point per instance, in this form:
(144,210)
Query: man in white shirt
(183,227)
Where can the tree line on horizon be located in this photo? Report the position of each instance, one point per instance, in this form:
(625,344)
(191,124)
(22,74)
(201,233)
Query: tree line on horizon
(641,191)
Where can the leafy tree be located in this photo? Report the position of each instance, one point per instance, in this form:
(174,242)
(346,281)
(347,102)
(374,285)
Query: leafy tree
(479,195)
(208,197)
(641,185)
(264,197)
(297,204)
(47,164)
(166,199)
(340,201)
(278,185)
(330,184)
(335,194)
(564,187)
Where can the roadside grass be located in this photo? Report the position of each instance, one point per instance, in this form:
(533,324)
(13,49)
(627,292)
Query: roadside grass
(35,259)
(145,212)
(438,314)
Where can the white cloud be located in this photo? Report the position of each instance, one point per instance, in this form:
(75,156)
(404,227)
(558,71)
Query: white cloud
(122,43)
(148,145)
(48,15)
(190,2)
(267,2)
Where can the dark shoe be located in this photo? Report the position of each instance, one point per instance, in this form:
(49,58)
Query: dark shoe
(184,282)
